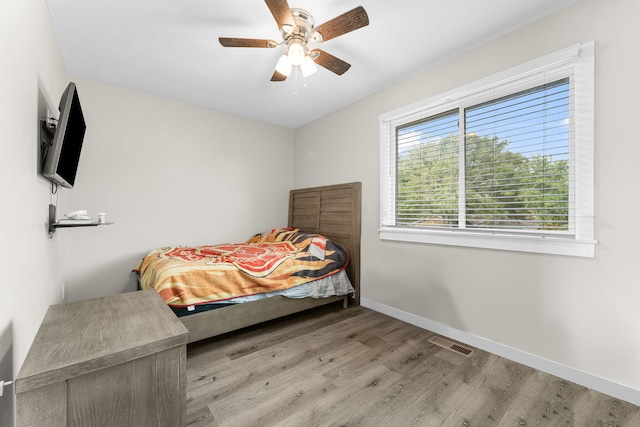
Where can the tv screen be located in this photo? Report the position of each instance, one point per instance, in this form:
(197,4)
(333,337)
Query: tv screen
(63,154)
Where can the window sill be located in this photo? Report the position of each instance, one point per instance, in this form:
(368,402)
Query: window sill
(508,242)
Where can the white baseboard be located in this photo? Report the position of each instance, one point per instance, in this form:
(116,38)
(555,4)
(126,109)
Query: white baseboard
(568,373)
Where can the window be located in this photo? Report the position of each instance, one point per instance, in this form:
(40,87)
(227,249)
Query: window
(503,163)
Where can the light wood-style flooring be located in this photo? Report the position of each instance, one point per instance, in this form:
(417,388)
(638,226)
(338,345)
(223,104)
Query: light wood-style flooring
(356,367)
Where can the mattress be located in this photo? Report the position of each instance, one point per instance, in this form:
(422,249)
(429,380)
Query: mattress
(335,285)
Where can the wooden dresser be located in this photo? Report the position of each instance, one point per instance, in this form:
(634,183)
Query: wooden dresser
(112,361)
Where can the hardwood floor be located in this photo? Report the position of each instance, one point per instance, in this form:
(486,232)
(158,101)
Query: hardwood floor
(356,367)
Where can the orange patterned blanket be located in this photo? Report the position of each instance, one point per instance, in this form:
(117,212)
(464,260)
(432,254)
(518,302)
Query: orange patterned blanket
(276,261)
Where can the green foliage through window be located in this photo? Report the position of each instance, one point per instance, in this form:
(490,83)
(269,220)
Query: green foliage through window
(515,165)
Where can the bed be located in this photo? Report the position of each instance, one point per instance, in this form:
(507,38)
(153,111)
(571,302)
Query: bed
(329,212)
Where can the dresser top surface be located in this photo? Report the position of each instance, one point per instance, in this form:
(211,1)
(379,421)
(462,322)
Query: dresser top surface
(78,337)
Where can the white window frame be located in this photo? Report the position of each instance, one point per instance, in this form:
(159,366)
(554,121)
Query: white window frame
(579,61)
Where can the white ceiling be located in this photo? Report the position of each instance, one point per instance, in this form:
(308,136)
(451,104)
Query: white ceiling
(170,48)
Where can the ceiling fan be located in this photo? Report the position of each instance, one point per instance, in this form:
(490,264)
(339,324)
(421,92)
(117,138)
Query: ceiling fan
(297,28)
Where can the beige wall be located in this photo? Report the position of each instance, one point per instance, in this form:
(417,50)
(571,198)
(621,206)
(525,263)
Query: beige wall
(168,173)
(32,75)
(582,313)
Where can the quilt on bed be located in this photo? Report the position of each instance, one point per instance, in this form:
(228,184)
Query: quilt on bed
(276,261)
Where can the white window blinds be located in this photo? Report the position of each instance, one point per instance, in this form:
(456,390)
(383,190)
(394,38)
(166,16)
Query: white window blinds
(427,172)
(518,170)
(496,157)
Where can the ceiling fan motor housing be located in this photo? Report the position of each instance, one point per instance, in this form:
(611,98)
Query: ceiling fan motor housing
(302,32)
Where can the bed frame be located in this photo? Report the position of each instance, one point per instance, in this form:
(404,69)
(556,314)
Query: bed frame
(333,211)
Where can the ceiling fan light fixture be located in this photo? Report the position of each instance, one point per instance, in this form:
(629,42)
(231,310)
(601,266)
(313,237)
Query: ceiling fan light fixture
(308,67)
(284,65)
(296,53)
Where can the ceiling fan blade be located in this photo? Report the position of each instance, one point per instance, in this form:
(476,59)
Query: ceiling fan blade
(237,42)
(330,62)
(278,77)
(281,12)
(347,22)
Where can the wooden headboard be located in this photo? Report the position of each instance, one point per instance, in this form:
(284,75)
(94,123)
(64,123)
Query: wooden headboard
(334,212)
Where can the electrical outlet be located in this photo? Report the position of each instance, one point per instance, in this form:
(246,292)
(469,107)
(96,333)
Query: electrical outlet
(3,384)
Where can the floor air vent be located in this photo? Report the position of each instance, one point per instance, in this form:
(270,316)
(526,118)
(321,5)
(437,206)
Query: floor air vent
(450,345)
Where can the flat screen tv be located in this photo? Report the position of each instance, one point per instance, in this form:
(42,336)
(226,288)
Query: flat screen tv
(63,154)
